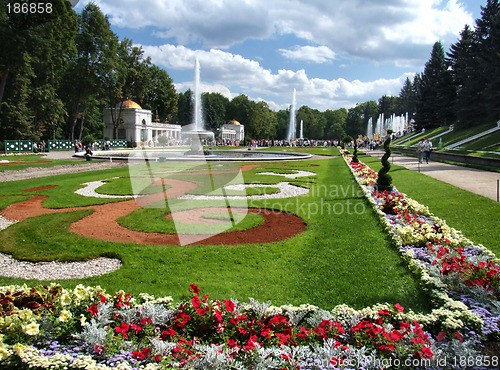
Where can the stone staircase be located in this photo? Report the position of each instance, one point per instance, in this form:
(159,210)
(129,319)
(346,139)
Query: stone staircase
(469,139)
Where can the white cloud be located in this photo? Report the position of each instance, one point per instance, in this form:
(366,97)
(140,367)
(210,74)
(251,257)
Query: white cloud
(231,75)
(316,54)
(377,30)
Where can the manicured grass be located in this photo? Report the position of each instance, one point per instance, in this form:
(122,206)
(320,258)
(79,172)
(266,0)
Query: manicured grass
(153,220)
(21,162)
(476,216)
(344,257)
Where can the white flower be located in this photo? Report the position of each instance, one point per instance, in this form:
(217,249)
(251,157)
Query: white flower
(31,329)
(65,299)
(65,316)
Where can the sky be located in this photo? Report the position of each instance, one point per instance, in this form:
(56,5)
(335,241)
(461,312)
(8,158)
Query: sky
(334,53)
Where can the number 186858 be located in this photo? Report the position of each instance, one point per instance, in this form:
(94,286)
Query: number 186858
(29,8)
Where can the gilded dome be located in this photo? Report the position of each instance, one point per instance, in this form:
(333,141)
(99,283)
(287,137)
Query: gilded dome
(128,104)
(234,122)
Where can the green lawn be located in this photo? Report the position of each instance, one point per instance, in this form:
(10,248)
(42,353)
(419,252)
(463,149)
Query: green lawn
(476,216)
(344,257)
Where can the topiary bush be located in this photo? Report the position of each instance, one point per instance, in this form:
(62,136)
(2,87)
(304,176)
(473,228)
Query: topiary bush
(384,182)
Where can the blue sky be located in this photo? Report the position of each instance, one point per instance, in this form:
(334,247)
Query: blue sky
(335,53)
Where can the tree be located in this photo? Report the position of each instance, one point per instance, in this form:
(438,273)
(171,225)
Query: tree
(468,83)
(84,77)
(335,123)
(161,97)
(214,110)
(408,98)
(434,107)
(35,49)
(354,121)
(185,107)
(128,80)
(488,56)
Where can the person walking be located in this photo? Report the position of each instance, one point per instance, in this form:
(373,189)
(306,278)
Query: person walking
(428,150)
(420,150)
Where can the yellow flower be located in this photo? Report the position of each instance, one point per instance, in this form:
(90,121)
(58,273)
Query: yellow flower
(18,348)
(65,316)
(31,329)
(65,299)
(82,320)
(4,353)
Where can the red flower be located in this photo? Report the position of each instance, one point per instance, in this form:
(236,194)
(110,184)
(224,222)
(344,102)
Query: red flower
(441,336)
(135,327)
(229,306)
(93,310)
(194,289)
(388,348)
(102,298)
(242,331)
(459,337)
(266,333)
(399,308)
(418,341)
(182,319)
(196,301)
(168,333)
(232,343)
(142,355)
(426,351)
(201,311)
(123,328)
(146,321)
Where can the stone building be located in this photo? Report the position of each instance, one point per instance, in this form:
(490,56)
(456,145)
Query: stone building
(232,131)
(137,125)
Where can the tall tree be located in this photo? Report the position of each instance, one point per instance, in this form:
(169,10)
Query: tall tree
(488,39)
(434,106)
(335,124)
(96,56)
(408,98)
(214,110)
(161,97)
(468,82)
(35,49)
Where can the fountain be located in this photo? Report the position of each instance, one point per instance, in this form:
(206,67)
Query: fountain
(369,129)
(292,126)
(301,129)
(196,131)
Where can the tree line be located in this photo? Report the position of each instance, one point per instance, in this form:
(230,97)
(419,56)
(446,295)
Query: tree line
(59,70)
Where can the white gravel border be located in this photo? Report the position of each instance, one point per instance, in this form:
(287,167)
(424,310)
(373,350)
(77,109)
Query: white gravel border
(10,267)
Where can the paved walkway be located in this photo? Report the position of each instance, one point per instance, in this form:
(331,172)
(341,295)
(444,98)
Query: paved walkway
(476,181)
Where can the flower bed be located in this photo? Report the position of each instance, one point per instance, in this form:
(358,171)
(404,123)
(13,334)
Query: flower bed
(454,270)
(51,327)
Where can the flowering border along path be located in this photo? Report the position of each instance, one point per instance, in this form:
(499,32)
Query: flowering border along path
(51,327)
